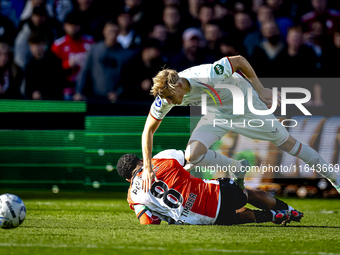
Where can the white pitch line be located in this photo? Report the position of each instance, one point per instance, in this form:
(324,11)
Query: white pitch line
(79,246)
(261,252)
(159,248)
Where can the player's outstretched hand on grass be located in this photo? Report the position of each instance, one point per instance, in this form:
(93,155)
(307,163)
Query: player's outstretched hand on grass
(266,96)
(147,177)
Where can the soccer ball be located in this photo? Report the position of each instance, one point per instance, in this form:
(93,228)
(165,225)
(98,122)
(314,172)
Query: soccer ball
(12,211)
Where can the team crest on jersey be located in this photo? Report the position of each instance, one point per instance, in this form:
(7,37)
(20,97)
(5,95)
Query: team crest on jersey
(219,69)
(158,102)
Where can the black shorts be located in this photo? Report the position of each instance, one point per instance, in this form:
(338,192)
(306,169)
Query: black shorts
(232,198)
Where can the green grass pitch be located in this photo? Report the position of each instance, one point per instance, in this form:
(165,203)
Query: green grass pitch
(105,225)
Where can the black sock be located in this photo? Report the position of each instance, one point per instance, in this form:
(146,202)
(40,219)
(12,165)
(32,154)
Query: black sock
(280,205)
(263,216)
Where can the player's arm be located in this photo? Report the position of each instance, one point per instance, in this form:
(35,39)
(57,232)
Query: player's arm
(240,63)
(145,215)
(173,154)
(150,128)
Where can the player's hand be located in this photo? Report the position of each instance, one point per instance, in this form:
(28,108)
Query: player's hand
(147,177)
(266,96)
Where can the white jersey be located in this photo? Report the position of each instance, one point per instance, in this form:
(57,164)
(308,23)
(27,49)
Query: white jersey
(203,79)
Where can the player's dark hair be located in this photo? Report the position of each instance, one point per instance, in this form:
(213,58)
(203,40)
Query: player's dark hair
(126,164)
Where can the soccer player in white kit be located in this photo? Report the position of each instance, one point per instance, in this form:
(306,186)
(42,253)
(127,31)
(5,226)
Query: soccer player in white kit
(186,88)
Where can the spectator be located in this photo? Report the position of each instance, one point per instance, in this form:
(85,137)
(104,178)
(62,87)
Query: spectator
(44,75)
(280,8)
(192,51)
(10,74)
(228,47)
(212,34)
(253,39)
(30,4)
(104,69)
(330,18)
(172,2)
(243,25)
(205,14)
(171,19)
(7,30)
(282,11)
(92,17)
(256,4)
(127,37)
(71,49)
(268,50)
(141,17)
(264,14)
(318,41)
(147,64)
(159,33)
(300,58)
(329,86)
(302,63)
(333,52)
(223,15)
(194,6)
(61,8)
(37,23)
(12,9)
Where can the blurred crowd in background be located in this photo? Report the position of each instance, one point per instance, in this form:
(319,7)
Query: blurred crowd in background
(108,51)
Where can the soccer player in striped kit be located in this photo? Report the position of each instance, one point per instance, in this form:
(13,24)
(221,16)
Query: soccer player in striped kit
(179,198)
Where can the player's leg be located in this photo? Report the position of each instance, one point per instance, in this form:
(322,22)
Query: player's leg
(311,158)
(246,215)
(263,200)
(198,153)
(273,209)
(233,200)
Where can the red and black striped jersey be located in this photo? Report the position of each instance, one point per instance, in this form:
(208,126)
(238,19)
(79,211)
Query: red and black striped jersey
(177,196)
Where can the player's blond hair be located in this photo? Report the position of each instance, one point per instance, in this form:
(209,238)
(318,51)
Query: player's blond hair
(165,80)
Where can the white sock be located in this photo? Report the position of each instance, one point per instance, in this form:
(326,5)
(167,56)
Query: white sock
(213,158)
(312,158)
(290,208)
(274,213)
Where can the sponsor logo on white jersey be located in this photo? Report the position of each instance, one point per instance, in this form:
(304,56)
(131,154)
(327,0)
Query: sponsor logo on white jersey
(158,102)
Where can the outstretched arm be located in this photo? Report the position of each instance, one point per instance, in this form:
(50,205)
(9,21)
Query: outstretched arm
(145,215)
(150,128)
(240,63)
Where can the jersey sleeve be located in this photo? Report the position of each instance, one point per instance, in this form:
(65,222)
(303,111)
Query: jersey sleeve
(160,108)
(221,68)
(172,154)
(145,215)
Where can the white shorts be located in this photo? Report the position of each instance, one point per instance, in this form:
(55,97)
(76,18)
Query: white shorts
(261,127)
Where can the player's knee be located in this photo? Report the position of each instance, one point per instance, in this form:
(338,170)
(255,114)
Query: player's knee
(289,144)
(193,153)
(191,156)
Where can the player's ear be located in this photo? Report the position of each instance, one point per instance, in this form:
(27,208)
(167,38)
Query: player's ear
(129,180)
